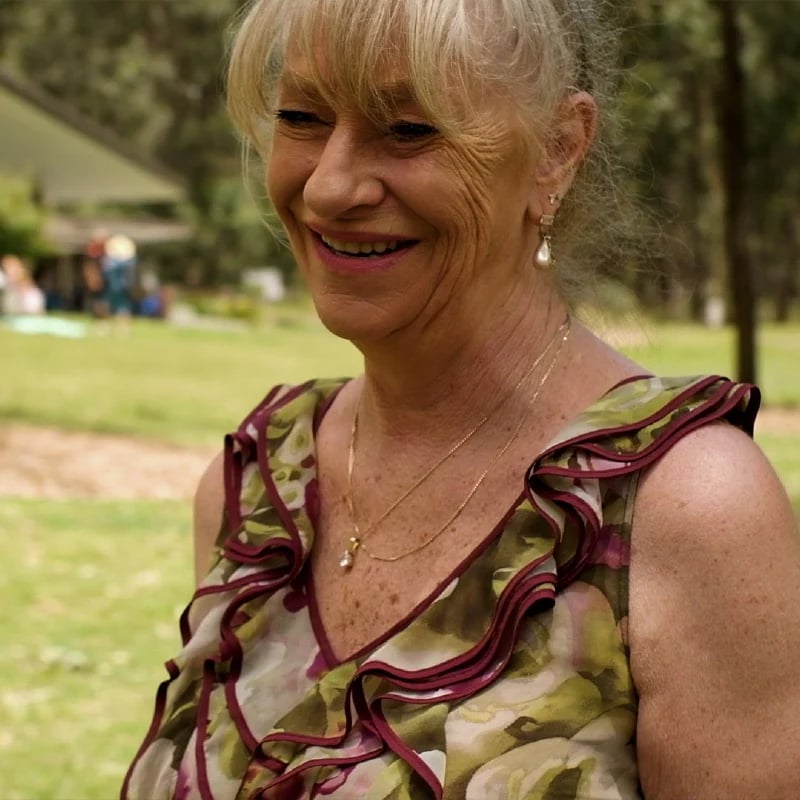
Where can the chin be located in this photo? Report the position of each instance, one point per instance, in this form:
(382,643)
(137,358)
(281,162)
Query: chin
(355,319)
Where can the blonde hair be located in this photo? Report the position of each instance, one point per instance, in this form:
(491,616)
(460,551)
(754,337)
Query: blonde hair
(533,53)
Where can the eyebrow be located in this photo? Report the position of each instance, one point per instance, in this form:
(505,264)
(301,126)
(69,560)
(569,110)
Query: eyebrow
(392,92)
(297,80)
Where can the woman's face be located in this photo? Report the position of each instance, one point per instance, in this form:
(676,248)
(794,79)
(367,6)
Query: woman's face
(395,226)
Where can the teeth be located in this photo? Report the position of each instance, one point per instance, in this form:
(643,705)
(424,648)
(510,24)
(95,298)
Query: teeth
(361,248)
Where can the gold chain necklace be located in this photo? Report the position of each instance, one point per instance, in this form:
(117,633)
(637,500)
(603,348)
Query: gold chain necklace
(356,542)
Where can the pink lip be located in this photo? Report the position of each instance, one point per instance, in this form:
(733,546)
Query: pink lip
(343,263)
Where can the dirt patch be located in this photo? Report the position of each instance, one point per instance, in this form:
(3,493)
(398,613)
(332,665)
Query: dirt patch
(51,463)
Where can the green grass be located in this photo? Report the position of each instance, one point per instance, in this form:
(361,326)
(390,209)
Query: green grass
(192,386)
(675,349)
(784,453)
(177,384)
(91,594)
(680,349)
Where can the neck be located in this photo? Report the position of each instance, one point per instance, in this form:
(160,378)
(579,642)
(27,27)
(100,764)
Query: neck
(427,384)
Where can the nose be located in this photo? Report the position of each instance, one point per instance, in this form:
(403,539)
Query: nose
(345,176)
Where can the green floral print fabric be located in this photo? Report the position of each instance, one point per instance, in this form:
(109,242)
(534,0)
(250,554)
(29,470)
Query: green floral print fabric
(514,680)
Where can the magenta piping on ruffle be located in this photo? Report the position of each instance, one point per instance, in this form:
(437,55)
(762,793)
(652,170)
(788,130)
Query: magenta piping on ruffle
(728,396)
(209,676)
(319,630)
(462,676)
(726,399)
(406,753)
(161,701)
(240,445)
(316,763)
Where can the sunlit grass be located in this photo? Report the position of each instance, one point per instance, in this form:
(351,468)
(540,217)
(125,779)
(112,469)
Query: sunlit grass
(178,384)
(91,592)
(190,386)
(680,349)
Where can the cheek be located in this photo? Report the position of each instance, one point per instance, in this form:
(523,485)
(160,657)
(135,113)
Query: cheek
(277,180)
(286,173)
(471,201)
(281,181)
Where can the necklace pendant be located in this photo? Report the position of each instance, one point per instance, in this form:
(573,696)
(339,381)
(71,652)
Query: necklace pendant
(348,557)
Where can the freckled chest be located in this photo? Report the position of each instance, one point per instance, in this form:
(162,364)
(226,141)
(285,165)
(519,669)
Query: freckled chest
(359,606)
(363,604)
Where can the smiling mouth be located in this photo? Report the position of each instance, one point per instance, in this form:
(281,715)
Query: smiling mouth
(364,249)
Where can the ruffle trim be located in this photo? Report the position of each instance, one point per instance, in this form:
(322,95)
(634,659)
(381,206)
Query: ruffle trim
(377,684)
(562,485)
(576,460)
(254,562)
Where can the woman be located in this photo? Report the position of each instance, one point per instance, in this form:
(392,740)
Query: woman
(419,582)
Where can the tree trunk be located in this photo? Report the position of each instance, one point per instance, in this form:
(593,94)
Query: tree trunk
(785,289)
(732,138)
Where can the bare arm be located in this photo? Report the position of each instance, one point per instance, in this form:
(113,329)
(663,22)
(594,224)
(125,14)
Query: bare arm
(715,624)
(209,502)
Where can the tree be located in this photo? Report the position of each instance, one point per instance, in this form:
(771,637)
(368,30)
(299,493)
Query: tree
(772,61)
(733,148)
(669,146)
(21,219)
(152,71)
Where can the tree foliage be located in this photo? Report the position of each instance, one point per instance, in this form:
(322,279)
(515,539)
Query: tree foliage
(673,97)
(152,71)
(21,219)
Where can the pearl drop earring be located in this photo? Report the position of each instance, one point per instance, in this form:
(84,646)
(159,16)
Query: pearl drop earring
(543,258)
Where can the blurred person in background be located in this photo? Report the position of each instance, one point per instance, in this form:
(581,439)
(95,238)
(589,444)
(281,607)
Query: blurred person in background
(20,296)
(119,273)
(505,561)
(93,282)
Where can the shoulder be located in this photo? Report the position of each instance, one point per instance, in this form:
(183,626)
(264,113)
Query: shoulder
(715,593)
(713,474)
(208,511)
(713,490)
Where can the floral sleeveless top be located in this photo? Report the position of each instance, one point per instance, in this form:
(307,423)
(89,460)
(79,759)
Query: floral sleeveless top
(512,682)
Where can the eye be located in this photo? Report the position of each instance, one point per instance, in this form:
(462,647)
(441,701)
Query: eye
(404,131)
(297,119)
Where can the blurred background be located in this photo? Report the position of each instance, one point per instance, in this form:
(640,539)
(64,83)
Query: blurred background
(145,308)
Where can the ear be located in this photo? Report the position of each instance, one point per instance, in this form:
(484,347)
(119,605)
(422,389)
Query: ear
(567,142)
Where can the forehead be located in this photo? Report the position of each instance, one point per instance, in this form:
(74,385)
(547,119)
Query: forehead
(350,66)
(391,89)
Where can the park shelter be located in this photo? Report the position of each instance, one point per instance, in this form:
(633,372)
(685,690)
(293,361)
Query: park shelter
(72,163)
(70,159)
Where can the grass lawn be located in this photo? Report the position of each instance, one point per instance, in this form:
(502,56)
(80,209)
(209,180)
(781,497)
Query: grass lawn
(91,594)
(92,590)
(177,384)
(679,349)
(192,386)
(673,349)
